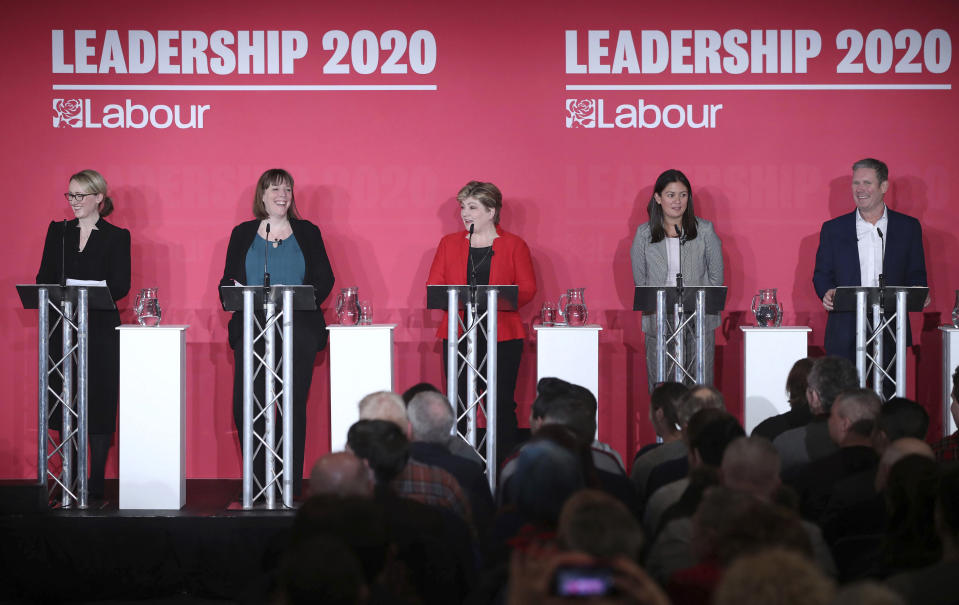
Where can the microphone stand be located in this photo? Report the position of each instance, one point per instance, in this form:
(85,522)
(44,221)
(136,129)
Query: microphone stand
(471,278)
(882,279)
(266,274)
(63,255)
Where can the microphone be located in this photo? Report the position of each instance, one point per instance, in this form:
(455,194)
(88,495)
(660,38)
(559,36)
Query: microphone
(266,251)
(679,274)
(472,276)
(882,280)
(883,261)
(63,257)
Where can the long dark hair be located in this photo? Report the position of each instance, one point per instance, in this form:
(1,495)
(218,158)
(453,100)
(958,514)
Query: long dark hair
(656,229)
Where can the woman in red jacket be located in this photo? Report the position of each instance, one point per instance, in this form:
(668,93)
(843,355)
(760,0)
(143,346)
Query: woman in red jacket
(495,257)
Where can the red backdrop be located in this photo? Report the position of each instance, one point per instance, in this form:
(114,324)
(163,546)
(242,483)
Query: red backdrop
(377,169)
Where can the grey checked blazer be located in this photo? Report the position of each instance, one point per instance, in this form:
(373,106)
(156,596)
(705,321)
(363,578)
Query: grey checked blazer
(702,264)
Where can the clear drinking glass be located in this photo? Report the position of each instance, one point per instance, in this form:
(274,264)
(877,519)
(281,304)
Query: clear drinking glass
(548,314)
(366,313)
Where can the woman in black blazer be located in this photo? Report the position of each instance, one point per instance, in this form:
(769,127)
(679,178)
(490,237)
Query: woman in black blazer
(297,257)
(90,248)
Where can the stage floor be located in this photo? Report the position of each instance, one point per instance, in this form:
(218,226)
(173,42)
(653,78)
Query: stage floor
(209,551)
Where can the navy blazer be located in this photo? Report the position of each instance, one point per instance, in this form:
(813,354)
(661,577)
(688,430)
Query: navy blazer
(837,264)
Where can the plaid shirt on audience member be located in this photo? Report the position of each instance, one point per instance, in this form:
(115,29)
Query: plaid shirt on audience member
(947,449)
(434,486)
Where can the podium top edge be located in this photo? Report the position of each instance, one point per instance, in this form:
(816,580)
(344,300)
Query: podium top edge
(948,328)
(153,328)
(775,329)
(359,327)
(585,327)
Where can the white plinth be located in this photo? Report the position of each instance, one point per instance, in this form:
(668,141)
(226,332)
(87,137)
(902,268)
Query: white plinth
(361,362)
(152,417)
(569,353)
(769,354)
(950,359)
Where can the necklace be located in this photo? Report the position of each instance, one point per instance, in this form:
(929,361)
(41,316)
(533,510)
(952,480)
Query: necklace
(475,266)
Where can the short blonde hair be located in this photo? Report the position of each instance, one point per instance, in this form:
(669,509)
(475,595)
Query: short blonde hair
(93,182)
(384,405)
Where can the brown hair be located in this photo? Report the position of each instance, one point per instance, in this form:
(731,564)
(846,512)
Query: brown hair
(487,194)
(273,176)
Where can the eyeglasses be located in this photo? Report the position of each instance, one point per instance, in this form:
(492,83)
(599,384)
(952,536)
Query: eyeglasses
(76,197)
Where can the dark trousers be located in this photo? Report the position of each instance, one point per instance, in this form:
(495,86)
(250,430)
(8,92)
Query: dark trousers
(304,354)
(509,353)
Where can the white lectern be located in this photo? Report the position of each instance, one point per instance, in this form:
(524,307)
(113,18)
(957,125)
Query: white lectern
(950,359)
(570,353)
(769,353)
(361,362)
(152,433)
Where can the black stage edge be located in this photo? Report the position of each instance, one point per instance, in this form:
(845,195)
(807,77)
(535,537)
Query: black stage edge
(201,553)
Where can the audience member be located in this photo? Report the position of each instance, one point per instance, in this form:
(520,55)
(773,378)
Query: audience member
(455,443)
(798,414)
(320,569)
(947,449)
(595,523)
(664,416)
(729,524)
(936,583)
(384,446)
(708,433)
(828,377)
(899,417)
(775,576)
(431,421)
(341,474)
(385,405)
(896,451)
(698,398)
(427,511)
(574,407)
(867,592)
(911,540)
(851,423)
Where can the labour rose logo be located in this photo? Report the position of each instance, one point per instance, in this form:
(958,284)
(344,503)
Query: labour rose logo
(66,112)
(580,113)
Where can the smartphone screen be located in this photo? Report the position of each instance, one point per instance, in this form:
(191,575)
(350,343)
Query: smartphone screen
(583,581)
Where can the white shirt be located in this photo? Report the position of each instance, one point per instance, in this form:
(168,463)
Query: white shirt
(870,248)
(672,260)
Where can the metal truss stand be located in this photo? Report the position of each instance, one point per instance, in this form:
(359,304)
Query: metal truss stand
(260,413)
(889,309)
(480,304)
(70,306)
(689,308)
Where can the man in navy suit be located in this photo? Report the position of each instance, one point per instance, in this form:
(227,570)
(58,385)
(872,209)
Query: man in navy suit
(851,253)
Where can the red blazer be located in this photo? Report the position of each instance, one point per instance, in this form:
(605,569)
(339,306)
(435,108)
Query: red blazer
(510,264)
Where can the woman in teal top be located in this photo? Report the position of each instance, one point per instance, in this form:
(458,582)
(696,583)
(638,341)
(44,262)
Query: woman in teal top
(296,256)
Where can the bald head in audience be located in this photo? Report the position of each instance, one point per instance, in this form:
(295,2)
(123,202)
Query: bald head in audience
(385,405)
(341,474)
(751,464)
(897,450)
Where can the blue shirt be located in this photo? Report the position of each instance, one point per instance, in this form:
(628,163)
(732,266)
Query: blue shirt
(285,263)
